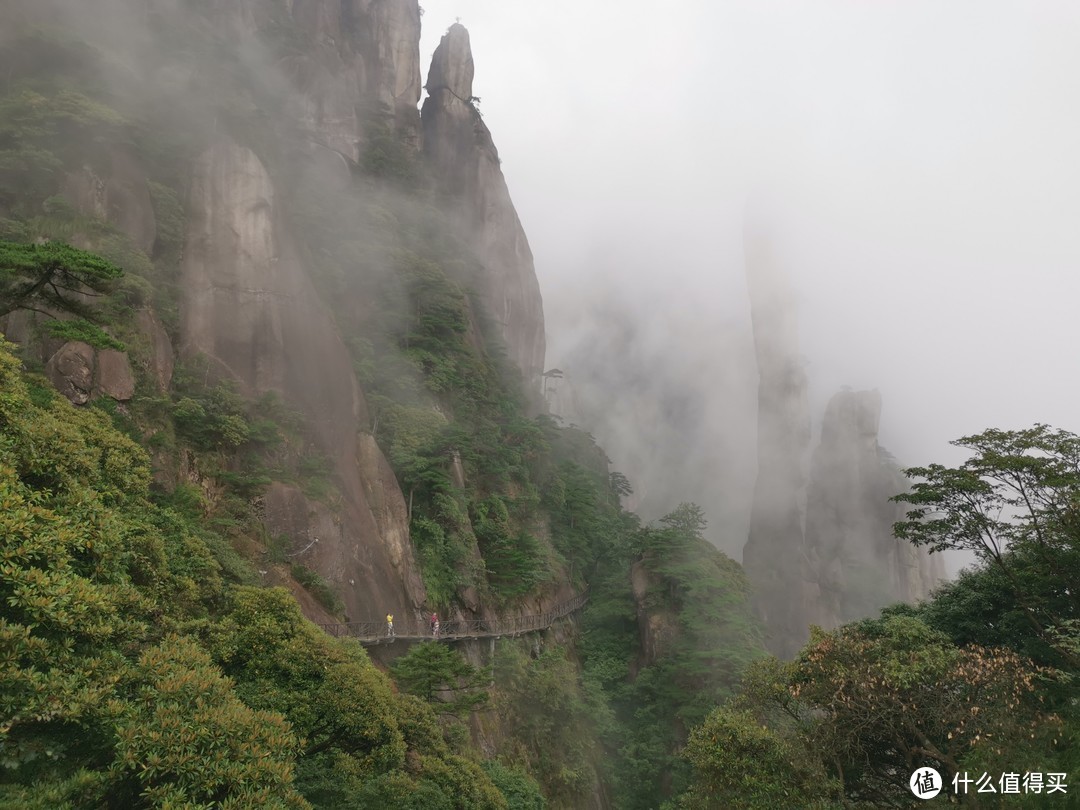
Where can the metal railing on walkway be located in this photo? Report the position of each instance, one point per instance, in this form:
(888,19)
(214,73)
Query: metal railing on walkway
(417,629)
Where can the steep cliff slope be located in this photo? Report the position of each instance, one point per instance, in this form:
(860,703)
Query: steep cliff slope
(332,346)
(821,548)
(855,565)
(774,555)
(465,162)
(280,139)
(249,307)
(360,63)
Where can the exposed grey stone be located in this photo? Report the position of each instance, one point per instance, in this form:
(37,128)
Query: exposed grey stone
(113,375)
(251,309)
(774,553)
(458,146)
(161,349)
(855,563)
(71,371)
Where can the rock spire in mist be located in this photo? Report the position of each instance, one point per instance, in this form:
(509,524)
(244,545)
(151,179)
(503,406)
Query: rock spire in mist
(465,163)
(820,548)
(774,553)
(856,566)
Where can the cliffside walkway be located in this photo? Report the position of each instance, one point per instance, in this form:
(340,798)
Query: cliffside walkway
(370,633)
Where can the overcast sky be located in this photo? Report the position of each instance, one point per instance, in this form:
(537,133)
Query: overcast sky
(920,163)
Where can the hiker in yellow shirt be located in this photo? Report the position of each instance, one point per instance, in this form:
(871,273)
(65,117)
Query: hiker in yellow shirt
(390,625)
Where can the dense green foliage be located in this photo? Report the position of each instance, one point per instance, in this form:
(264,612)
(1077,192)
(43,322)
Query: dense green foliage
(741,763)
(54,278)
(491,514)
(133,670)
(93,579)
(1016,505)
(145,666)
(552,719)
(440,675)
(864,706)
(700,636)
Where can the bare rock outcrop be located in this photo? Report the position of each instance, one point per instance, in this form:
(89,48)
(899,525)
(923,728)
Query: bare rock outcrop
(113,376)
(80,372)
(821,549)
(774,555)
(120,196)
(658,627)
(363,65)
(160,359)
(465,162)
(855,564)
(71,371)
(250,308)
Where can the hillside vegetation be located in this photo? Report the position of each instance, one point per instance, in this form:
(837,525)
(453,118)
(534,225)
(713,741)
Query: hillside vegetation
(155,648)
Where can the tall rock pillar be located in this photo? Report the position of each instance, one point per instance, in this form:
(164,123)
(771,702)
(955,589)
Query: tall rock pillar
(774,555)
(856,566)
(465,164)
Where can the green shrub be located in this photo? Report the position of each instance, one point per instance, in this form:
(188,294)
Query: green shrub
(318,587)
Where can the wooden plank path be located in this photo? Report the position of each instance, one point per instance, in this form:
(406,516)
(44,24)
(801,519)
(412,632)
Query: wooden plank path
(369,633)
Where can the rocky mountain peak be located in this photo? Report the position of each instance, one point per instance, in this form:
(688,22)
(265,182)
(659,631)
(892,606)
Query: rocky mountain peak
(820,547)
(466,167)
(854,564)
(773,556)
(854,415)
(452,64)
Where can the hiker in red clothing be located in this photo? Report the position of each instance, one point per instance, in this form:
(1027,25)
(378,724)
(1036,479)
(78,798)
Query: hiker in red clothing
(434,622)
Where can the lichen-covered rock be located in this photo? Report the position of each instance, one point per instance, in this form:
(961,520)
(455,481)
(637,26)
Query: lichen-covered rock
(463,158)
(113,376)
(71,371)
(161,359)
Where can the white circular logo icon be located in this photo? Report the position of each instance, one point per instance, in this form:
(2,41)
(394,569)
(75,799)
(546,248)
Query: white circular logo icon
(925,783)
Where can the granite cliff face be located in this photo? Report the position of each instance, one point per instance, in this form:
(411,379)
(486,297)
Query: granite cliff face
(458,147)
(335,76)
(250,308)
(855,565)
(362,64)
(820,548)
(249,304)
(774,555)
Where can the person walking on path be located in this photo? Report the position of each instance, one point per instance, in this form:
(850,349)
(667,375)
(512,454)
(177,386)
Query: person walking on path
(390,625)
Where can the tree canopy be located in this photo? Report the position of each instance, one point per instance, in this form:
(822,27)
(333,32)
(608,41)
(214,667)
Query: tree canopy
(1015,504)
(54,278)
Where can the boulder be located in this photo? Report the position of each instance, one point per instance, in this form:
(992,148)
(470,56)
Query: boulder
(71,371)
(113,376)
